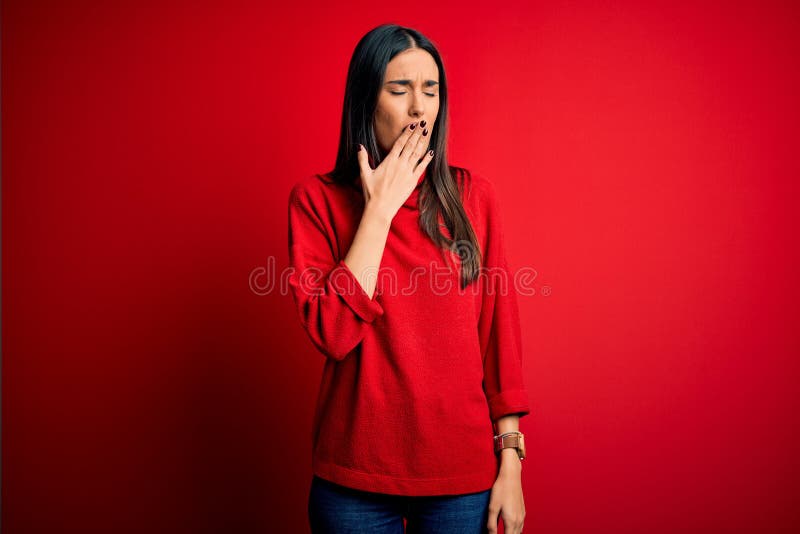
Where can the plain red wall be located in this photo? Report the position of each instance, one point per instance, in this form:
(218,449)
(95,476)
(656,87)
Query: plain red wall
(646,158)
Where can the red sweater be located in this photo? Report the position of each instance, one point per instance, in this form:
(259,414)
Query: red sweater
(413,377)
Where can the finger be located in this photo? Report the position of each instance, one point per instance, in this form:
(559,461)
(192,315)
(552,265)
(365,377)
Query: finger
(417,144)
(411,143)
(423,164)
(401,141)
(491,525)
(363,161)
(419,150)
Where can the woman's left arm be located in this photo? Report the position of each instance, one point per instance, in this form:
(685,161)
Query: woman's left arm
(506,499)
(499,328)
(501,346)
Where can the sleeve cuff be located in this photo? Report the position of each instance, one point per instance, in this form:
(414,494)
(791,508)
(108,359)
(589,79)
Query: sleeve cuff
(514,401)
(346,285)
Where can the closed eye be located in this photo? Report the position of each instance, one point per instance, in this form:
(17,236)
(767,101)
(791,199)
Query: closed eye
(403,92)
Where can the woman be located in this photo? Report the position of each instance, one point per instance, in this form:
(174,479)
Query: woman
(422,385)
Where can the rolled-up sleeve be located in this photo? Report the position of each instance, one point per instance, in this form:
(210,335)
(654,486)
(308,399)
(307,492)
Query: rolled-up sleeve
(333,307)
(499,322)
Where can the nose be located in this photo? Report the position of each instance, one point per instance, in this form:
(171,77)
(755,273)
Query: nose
(417,109)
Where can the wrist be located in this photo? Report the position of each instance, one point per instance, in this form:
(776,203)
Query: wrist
(508,454)
(374,217)
(510,461)
(511,440)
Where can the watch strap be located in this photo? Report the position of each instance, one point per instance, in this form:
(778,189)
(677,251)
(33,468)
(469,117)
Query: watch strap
(510,440)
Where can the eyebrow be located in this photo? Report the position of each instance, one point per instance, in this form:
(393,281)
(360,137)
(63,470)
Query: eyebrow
(428,83)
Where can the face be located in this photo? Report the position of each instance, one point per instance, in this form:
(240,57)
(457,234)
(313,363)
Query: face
(410,93)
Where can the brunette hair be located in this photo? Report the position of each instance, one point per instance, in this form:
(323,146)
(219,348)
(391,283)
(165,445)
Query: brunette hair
(441,189)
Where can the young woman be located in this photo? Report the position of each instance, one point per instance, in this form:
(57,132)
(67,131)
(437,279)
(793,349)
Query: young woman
(401,281)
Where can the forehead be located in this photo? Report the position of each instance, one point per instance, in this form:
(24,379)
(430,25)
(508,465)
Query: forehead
(413,64)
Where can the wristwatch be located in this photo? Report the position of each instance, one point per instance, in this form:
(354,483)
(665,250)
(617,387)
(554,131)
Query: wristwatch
(510,440)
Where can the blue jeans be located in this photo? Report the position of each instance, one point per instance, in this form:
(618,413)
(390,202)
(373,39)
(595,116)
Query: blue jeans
(335,509)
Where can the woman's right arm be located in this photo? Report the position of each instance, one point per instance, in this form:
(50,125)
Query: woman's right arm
(366,251)
(334,299)
(385,189)
(333,307)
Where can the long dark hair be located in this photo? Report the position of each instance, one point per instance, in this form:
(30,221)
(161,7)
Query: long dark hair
(440,193)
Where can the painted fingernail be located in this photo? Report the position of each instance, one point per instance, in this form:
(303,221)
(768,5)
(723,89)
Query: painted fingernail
(422,123)
(412,126)
(425,131)
(430,152)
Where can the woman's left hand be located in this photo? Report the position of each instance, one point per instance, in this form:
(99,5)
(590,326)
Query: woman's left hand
(506,498)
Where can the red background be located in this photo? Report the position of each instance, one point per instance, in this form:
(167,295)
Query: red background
(646,160)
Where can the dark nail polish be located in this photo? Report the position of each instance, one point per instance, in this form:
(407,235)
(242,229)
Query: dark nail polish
(422,123)
(430,152)
(412,126)
(425,131)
